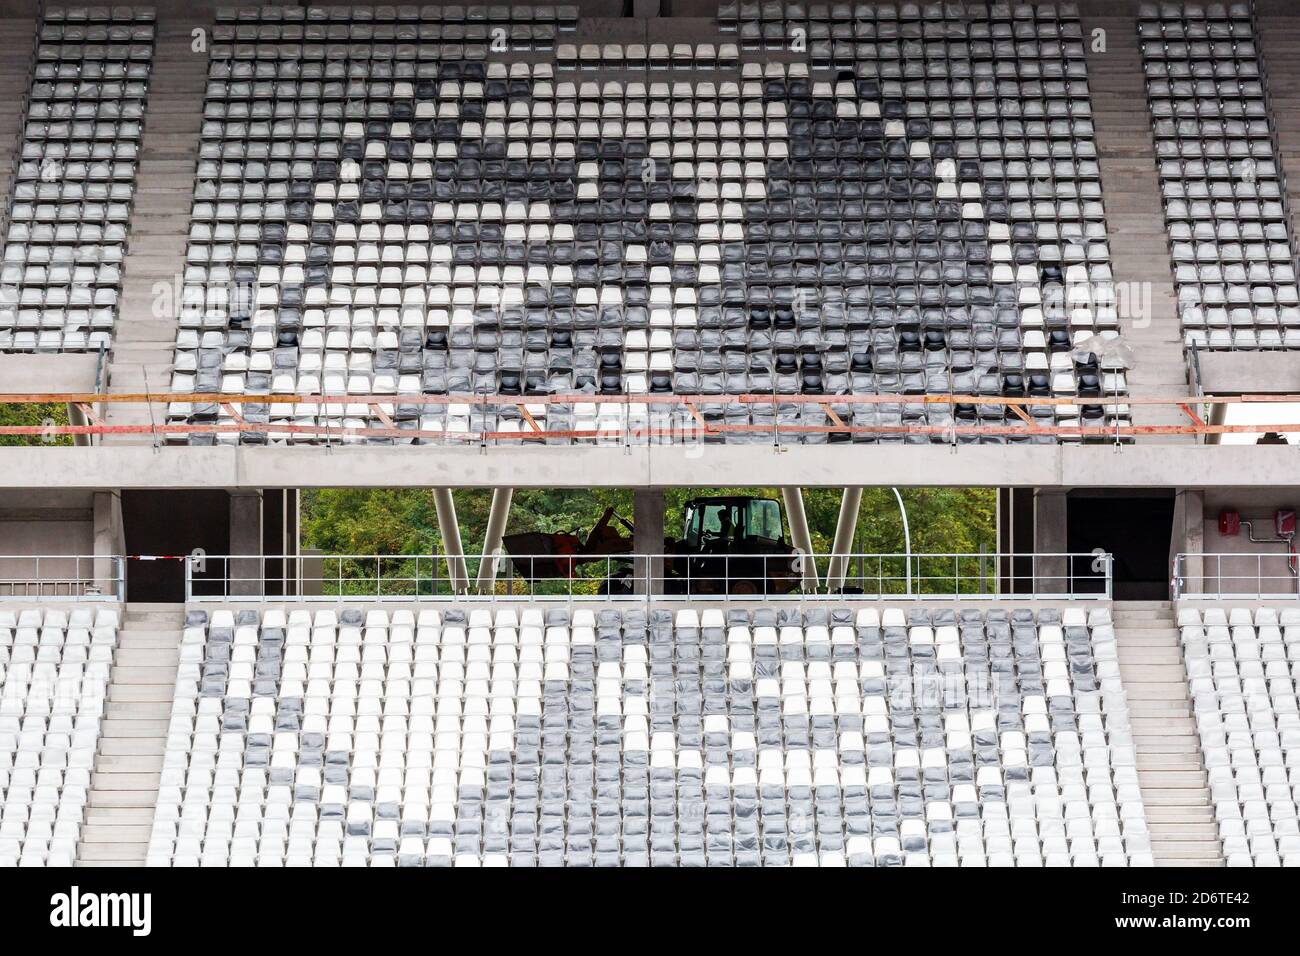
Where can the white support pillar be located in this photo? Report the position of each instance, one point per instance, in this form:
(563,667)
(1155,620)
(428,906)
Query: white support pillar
(799,533)
(846,527)
(496,529)
(449,529)
(648,539)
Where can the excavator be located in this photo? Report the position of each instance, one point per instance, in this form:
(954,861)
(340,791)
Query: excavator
(729,545)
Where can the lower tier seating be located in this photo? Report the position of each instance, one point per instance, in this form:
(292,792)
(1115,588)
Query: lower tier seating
(1240,663)
(54,669)
(547,736)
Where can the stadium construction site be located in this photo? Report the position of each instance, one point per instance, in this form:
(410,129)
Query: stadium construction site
(705,257)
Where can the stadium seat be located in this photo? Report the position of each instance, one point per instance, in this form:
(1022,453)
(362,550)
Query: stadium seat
(74,180)
(443,212)
(1239,664)
(1220,176)
(54,670)
(546,736)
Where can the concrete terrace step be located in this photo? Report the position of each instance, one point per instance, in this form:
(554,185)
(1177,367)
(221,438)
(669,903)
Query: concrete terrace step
(133,737)
(1208,849)
(131,710)
(1171,768)
(111,854)
(119,816)
(1179,813)
(160,219)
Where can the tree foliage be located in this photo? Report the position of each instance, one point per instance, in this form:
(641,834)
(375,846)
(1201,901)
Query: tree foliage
(47,414)
(404,521)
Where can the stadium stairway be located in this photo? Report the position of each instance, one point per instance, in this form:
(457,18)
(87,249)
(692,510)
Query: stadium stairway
(160,216)
(16,46)
(1171,770)
(1139,247)
(133,736)
(1279,39)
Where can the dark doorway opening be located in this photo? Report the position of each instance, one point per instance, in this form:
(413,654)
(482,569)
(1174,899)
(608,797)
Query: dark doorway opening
(171,523)
(1136,529)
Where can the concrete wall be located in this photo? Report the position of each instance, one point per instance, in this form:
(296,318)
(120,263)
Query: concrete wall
(44,521)
(1248,573)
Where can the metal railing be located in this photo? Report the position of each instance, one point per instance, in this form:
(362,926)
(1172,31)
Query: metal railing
(640,577)
(63,577)
(1216,575)
(492,419)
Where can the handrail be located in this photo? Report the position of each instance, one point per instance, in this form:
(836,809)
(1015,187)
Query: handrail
(686,415)
(1226,575)
(987,576)
(63,577)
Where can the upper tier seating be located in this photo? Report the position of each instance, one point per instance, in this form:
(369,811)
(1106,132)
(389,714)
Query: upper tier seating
(553,736)
(1220,176)
(54,667)
(395,206)
(74,179)
(1241,663)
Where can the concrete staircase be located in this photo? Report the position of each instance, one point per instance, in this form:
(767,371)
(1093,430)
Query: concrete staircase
(1135,221)
(160,218)
(1171,771)
(1279,43)
(132,740)
(17,43)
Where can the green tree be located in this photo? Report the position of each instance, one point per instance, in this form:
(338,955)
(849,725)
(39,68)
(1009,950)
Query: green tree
(404,521)
(42,415)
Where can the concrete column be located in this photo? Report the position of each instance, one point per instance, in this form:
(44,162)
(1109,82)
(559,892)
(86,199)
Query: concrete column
(245,571)
(110,542)
(800,536)
(845,527)
(648,539)
(1189,538)
(449,528)
(1052,574)
(496,529)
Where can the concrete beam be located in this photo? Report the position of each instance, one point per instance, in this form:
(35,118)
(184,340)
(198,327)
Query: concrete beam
(845,528)
(800,536)
(496,529)
(23,374)
(1249,373)
(813,466)
(449,530)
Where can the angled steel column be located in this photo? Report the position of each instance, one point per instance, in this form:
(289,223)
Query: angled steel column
(792,497)
(451,546)
(845,528)
(496,529)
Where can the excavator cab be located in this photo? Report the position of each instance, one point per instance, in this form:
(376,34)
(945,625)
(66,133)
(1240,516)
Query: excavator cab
(733,545)
(727,525)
